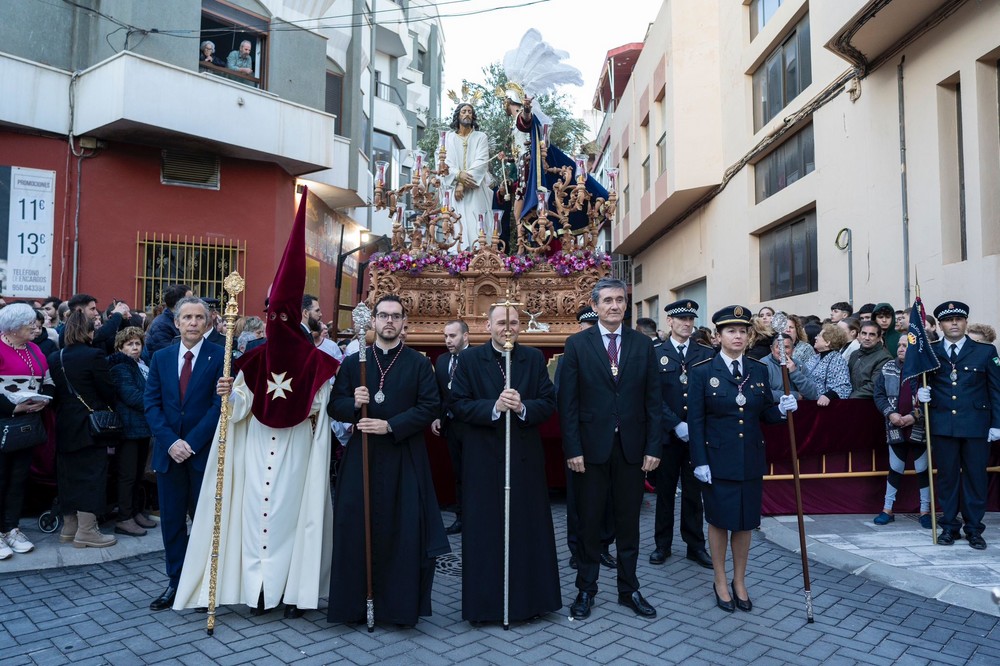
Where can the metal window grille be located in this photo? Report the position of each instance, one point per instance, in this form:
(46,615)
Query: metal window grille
(199,262)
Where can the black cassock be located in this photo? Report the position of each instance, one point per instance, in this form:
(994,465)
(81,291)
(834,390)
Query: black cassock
(534,571)
(407,532)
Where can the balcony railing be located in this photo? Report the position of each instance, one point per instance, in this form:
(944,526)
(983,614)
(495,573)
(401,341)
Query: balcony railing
(225,72)
(621,268)
(389,94)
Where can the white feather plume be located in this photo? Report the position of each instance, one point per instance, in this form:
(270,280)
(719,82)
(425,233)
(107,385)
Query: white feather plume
(538,67)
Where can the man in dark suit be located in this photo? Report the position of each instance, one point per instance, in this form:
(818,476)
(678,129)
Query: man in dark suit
(182,409)
(965,418)
(456,339)
(675,357)
(610,409)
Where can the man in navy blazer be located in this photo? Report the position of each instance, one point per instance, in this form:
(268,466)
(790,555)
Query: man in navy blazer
(610,410)
(964,419)
(182,409)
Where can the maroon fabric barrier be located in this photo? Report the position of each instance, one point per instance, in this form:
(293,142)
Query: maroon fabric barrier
(848,432)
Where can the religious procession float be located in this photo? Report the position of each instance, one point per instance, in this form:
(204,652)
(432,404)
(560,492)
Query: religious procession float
(537,245)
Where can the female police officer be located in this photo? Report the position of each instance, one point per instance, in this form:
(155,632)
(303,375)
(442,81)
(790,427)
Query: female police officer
(728,397)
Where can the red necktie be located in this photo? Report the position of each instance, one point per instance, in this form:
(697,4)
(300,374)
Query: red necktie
(186,372)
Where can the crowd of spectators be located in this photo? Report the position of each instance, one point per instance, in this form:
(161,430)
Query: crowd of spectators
(850,354)
(62,360)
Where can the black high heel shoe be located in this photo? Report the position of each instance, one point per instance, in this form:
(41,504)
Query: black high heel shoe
(744,605)
(724,605)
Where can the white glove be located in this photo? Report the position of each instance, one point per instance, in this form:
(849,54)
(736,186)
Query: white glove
(993,435)
(787,403)
(681,430)
(924,394)
(703,473)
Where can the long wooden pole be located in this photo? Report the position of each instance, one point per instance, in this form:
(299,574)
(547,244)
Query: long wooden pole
(776,322)
(233,285)
(927,431)
(362,318)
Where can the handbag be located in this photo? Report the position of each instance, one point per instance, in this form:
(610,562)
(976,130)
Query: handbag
(22,431)
(102,423)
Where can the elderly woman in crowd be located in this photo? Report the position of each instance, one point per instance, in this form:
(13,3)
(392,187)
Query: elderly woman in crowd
(81,461)
(982,333)
(828,368)
(129,372)
(23,371)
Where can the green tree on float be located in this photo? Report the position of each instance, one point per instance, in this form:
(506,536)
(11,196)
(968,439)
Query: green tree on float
(567,133)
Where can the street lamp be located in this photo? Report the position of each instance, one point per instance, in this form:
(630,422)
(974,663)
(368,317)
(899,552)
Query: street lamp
(366,242)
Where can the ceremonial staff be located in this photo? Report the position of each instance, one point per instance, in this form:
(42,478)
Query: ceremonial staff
(233,285)
(362,317)
(508,346)
(779,322)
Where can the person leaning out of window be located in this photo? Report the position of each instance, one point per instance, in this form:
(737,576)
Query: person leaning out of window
(23,371)
(129,372)
(81,461)
(207,54)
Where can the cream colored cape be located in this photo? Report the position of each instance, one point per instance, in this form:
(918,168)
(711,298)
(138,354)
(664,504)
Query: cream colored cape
(277,517)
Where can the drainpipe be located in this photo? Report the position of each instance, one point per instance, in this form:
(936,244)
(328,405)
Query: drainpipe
(902,184)
(371,109)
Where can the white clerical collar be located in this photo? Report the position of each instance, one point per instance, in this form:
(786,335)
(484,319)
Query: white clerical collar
(386,351)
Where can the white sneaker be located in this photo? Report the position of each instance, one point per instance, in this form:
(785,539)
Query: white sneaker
(5,550)
(17,542)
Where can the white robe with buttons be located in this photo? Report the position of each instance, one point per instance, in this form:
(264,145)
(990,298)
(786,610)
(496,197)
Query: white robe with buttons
(277,516)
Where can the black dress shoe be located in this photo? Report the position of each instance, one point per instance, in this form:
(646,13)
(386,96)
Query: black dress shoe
(201,609)
(573,562)
(744,605)
(946,538)
(639,605)
(727,606)
(608,560)
(165,600)
(292,611)
(977,541)
(580,608)
(659,556)
(700,557)
(455,527)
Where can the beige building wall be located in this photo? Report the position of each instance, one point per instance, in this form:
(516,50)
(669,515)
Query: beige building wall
(699,59)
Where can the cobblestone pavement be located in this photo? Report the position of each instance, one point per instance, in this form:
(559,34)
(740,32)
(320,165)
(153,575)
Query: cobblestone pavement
(98,614)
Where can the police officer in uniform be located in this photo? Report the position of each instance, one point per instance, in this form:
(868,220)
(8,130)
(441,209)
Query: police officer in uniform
(728,397)
(964,419)
(675,358)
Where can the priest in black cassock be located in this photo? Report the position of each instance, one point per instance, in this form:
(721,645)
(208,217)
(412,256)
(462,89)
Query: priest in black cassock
(479,401)
(407,532)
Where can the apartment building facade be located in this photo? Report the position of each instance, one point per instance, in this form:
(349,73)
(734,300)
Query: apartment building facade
(796,153)
(159,166)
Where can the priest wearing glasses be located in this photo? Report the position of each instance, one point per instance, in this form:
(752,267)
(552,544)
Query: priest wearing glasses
(407,531)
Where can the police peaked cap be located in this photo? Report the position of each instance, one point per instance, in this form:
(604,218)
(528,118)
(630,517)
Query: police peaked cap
(950,309)
(586,314)
(732,314)
(682,308)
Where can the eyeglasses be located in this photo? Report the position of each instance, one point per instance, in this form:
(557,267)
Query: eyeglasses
(385,316)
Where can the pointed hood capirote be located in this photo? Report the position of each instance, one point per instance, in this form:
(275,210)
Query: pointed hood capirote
(286,371)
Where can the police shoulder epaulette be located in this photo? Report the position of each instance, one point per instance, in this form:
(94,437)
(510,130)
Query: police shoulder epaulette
(755,360)
(701,362)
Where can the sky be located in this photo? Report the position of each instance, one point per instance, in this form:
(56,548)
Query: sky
(587,29)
